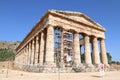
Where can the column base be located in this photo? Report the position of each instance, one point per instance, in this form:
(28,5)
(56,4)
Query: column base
(53,69)
(85,68)
(89,65)
(107,65)
(62,65)
(49,65)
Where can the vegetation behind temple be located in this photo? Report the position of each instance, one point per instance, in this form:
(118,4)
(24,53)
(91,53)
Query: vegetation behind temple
(109,56)
(7,50)
(6,54)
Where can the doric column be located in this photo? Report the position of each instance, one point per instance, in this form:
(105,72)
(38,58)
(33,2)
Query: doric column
(32,55)
(87,49)
(96,57)
(23,56)
(77,49)
(30,52)
(28,55)
(42,44)
(50,46)
(103,52)
(62,49)
(37,50)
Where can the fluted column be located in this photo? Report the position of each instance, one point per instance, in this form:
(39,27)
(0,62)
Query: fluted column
(37,49)
(28,55)
(23,56)
(50,46)
(77,49)
(32,55)
(42,44)
(21,61)
(96,57)
(103,52)
(30,52)
(87,49)
(62,49)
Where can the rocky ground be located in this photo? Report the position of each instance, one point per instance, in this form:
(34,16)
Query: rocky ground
(21,75)
(11,74)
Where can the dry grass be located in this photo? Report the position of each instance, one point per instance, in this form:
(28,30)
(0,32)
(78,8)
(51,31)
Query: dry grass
(116,66)
(21,75)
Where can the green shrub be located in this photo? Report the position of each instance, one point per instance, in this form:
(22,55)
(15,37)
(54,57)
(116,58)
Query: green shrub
(6,54)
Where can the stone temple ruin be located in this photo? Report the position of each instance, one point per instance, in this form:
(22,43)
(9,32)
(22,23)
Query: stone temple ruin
(55,43)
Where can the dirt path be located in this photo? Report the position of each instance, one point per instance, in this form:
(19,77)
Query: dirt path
(21,75)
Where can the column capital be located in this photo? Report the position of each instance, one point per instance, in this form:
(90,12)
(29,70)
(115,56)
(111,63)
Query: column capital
(94,39)
(29,44)
(93,36)
(50,30)
(50,26)
(33,41)
(37,37)
(101,39)
(84,35)
(26,46)
(75,32)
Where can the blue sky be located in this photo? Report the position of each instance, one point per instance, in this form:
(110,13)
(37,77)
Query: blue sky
(17,17)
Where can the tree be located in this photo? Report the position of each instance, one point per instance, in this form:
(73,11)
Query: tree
(109,57)
(6,54)
(82,58)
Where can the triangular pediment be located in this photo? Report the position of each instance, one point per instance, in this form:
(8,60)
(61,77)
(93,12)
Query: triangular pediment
(77,16)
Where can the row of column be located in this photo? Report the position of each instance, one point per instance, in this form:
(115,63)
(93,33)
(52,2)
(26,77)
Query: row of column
(41,49)
(95,54)
(36,50)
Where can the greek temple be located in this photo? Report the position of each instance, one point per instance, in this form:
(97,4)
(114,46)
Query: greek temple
(60,38)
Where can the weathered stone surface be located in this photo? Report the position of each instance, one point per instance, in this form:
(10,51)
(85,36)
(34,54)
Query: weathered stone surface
(103,52)
(50,46)
(37,50)
(42,44)
(77,59)
(96,57)
(87,49)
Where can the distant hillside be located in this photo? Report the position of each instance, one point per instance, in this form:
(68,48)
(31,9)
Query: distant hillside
(9,45)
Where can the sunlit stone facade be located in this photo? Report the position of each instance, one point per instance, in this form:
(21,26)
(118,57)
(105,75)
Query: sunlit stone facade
(38,47)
